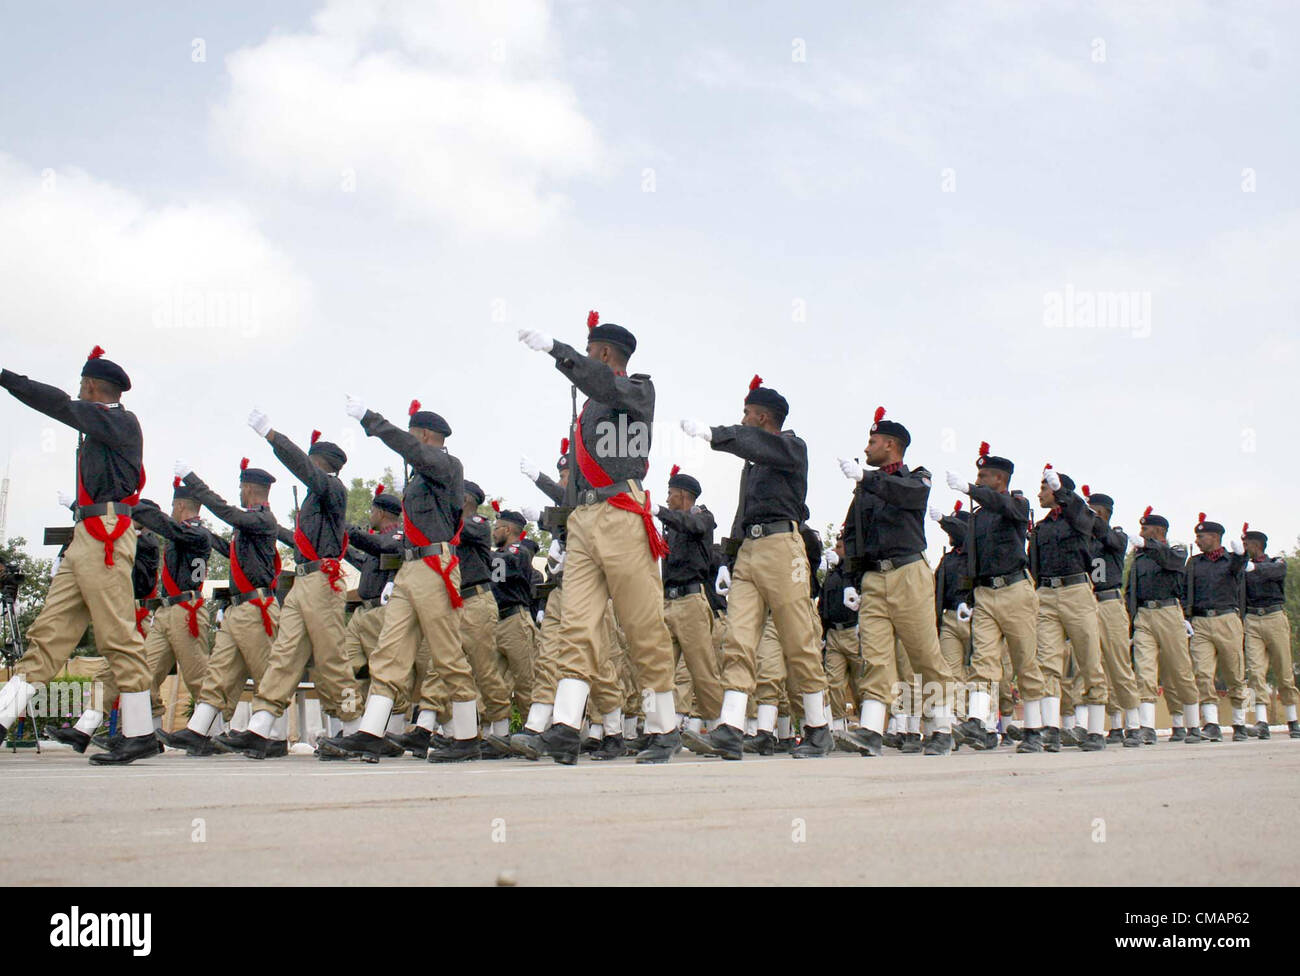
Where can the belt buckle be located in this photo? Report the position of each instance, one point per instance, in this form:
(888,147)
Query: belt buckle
(999,582)
(886,565)
(672,593)
(1211,613)
(589,497)
(756,531)
(1054,582)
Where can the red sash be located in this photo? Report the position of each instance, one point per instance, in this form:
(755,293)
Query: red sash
(434,562)
(142,612)
(597,478)
(192,609)
(95,523)
(243,585)
(332,567)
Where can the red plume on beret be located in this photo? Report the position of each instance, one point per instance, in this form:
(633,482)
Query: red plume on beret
(564,445)
(1087,492)
(415,405)
(880,414)
(1147,512)
(1047,467)
(176,482)
(243,464)
(315,436)
(1200,517)
(96,352)
(523,534)
(984,448)
(756,382)
(1245,527)
(379,489)
(496,506)
(593,319)
(673,472)
(957,507)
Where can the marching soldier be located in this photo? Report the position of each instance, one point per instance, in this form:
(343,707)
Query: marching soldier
(1060,562)
(311,618)
(511,562)
(426,599)
(93,582)
(612,543)
(1160,632)
(769,574)
(838,609)
(1268,633)
(885,540)
(952,594)
(1109,547)
(1006,607)
(688,530)
(1214,582)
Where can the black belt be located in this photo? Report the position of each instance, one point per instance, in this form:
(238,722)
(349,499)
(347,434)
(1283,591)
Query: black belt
(845,626)
(468,591)
(1111,594)
(1216,612)
(998,582)
(509,612)
(1265,611)
(103,508)
(171,601)
(760,529)
(149,603)
(304,569)
(372,603)
(593,496)
(420,552)
(1158,604)
(1057,582)
(677,592)
(261,593)
(885,565)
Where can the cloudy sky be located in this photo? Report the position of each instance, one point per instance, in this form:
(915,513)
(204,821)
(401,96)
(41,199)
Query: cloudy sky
(1070,231)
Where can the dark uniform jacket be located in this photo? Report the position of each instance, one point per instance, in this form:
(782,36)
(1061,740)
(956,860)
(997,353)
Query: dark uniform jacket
(616,421)
(1001,524)
(1266,583)
(690,546)
(1107,551)
(774,482)
(1061,543)
(185,557)
(512,575)
(254,535)
(475,551)
(1214,584)
(144,574)
(1156,574)
(323,511)
(434,498)
(830,605)
(366,551)
(886,518)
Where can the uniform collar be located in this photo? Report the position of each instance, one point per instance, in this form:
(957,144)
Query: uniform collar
(1214,555)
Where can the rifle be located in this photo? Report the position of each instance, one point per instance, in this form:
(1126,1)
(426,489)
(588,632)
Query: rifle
(556,516)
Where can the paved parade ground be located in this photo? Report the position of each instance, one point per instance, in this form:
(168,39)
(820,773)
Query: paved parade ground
(1167,814)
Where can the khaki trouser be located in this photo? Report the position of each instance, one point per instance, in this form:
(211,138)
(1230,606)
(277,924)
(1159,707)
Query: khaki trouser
(170,644)
(954,639)
(897,606)
(1112,629)
(1160,647)
(1069,613)
(311,626)
(842,663)
(606,692)
(478,636)
(683,694)
(361,637)
(1217,648)
(690,623)
(240,650)
(629,683)
(420,609)
(85,591)
(719,637)
(771,574)
(105,685)
(608,558)
(1010,614)
(516,648)
(1268,644)
(770,672)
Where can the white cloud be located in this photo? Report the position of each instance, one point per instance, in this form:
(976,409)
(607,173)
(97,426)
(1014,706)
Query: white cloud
(448,111)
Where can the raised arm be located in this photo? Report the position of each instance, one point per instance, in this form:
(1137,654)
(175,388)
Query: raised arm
(698,521)
(550,488)
(782,451)
(260,521)
(1167,557)
(634,394)
(910,491)
(164,525)
(1009,506)
(97,420)
(433,463)
(1270,569)
(1075,510)
(375,544)
(299,464)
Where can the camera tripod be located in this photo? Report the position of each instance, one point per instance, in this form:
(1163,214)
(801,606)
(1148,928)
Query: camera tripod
(12,649)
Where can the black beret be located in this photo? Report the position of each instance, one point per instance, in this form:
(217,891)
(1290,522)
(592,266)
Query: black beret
(1258,536)
(1066,480)
(683,481)
(1203,526)
(563,462)
(388,502)
(181,490)
(254,476)
(506,515)
(1105,501)
(762,396)
(330,451)
(1149,519)
(427,420)
(474,491)
(987,460)
(890,428)
(613,334)
(99,368)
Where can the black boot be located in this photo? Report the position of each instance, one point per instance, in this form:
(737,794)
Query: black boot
(560,742)
(762,743)
(69,736)
(456,750)
(416,742)
(1115,737)
(725,741)
(1031,740)
(1179,734)
(972,733)
(1014,732)
(277,749)
(862,741)
(357,745)
(1051,739)
(1094,742)
(128,750)
(1252,731)
(911,744)
(1148,735)
(611,747)
(521,741)
(1262,731)
(938,744)
(500,742)
(662,747)
(193,743)
(248,743)
(488,749)
(1239,733)
(1133,739)
(1293,730)
(1192,735)
(892,740)
(1212,732)
(817,743)
(784,746)
(589,745)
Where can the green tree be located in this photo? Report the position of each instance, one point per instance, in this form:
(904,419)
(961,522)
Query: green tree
(36,579)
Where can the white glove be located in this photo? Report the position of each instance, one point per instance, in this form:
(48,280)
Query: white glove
(1250,565)
(536,341)
(1188,625)
(385,593)
(260,422)
(66,500)
(556,555)
(181,468)
(851,598)
(956,484)
(356,407)
(964,612)
(540,615)
(850,468)
(722,586)
(529,470)
(221,615)
(1139,542)
(935,514)
(697,428)
(1052,478)
(1235,547)
(54,566)
(531,514)
(832,558)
